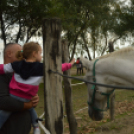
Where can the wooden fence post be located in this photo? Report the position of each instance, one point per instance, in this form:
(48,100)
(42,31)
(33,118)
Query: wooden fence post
(68,91)
(52,82)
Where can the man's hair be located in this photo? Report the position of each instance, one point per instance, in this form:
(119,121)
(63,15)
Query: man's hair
(6,47)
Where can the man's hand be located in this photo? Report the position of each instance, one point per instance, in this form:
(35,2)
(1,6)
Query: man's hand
(33,103)
(35,100)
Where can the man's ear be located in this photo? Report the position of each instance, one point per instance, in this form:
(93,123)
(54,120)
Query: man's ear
(9,54)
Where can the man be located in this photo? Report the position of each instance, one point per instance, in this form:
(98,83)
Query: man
(20,121)
(79,66)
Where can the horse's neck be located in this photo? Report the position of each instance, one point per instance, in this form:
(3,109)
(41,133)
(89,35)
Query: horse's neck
(114,80)
(116,70)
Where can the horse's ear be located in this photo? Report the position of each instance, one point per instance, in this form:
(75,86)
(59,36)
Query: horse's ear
(86,63)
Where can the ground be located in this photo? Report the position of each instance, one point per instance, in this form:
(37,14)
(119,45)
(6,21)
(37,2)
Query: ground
(124,125)
(124,117)
(124,112)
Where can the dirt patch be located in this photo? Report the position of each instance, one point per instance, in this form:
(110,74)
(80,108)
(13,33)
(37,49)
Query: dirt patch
(124,125)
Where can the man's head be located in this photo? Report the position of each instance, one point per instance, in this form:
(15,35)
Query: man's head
(10,52)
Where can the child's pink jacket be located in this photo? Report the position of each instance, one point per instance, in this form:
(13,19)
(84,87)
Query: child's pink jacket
(26,78)
(66,66)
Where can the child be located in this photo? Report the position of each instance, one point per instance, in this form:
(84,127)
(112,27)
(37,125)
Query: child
(26,78)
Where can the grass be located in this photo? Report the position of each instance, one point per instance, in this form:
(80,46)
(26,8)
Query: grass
(74,81)
(40,107)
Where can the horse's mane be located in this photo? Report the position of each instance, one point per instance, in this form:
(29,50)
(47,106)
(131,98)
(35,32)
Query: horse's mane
(120,52)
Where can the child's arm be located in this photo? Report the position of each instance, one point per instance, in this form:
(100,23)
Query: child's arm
(6,68)
(67,66)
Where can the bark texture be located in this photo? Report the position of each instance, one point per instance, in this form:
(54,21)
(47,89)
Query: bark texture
(68,92)
(52,82)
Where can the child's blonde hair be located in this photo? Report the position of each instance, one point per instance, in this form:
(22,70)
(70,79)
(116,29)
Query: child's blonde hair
(27,51)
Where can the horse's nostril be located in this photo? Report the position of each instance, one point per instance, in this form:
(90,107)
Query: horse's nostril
(95,115)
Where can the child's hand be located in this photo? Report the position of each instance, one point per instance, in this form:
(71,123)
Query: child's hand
(72,61)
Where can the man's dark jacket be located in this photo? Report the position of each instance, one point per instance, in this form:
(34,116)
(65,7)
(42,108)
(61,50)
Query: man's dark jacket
(18,122)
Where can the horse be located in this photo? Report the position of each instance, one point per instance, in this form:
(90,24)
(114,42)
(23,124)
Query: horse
(116,68)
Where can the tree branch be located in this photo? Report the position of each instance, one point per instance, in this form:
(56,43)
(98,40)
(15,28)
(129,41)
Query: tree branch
(104,49)
(85,44)
(2,27)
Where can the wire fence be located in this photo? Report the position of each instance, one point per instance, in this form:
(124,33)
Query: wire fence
(124,108)
(42,115)
(122,124)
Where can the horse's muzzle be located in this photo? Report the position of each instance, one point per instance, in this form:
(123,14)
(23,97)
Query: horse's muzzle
(95,115)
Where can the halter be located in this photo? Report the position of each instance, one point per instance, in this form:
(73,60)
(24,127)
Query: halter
(102,93)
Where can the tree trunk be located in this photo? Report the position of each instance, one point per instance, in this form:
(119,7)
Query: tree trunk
(74,48)
(2,27)
(68,92)
(111,44)
(75,40)
(19,32)
(52,82)
(104,49)
(85,44)
(94,47)
(111,47)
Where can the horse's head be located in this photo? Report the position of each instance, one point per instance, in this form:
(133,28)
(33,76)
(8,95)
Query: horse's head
(96,99)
